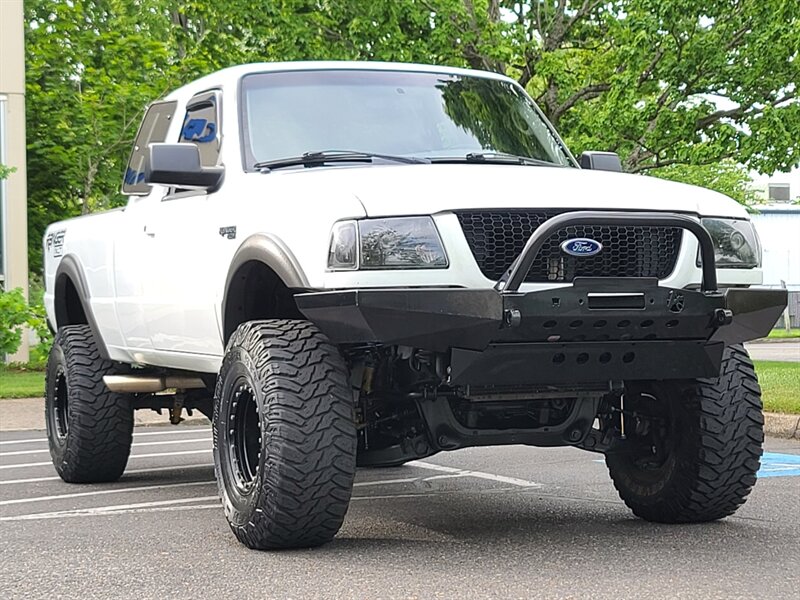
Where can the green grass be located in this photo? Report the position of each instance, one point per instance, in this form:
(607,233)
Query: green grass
(782,334)
(17,383)
(780,383)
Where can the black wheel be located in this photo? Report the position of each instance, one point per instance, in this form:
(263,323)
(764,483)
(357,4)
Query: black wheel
(89,428)
(694,447)
(284,435)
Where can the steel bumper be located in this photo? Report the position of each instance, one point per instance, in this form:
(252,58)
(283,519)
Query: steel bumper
(597,329)
(594,330)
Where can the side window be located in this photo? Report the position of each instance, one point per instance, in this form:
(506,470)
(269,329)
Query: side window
(201,126)
(154,128)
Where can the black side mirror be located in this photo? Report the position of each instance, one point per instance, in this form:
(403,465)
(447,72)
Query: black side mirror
(179,165)
(601,161)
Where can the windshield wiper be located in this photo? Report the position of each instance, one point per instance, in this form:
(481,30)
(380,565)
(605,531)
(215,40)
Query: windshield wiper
(500,158)
(322,157)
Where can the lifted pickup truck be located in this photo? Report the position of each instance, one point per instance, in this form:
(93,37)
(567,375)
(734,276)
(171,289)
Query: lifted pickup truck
(366,263)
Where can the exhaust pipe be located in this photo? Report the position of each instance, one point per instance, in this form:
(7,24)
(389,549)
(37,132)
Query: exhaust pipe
(149,384)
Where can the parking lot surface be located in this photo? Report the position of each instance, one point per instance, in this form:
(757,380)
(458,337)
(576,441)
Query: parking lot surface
(510,522)
(786,351)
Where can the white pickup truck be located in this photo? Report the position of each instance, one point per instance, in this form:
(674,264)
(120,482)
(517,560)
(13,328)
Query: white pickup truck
(365,263)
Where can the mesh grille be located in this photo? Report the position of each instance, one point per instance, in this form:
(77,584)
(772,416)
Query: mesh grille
(496,238)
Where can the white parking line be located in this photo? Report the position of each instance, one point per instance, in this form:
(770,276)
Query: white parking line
(135,433)
(166,505)
(476,474)
(172,431)
(132,472)
(154,455)
(170,505)
(107,510)
(135,445)
(143,488)
(410,479)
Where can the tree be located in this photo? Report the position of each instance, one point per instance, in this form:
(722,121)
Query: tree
(645,78)
(5,171)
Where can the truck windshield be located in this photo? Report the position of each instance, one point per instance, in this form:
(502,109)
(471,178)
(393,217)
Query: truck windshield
(421,115)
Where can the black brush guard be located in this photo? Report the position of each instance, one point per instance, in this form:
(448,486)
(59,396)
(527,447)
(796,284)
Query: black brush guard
(597,329)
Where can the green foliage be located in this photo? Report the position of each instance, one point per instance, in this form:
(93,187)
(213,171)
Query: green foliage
(665,83)
(5,171)
(14,315)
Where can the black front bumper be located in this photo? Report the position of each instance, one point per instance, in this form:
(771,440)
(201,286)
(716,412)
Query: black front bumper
(597,329)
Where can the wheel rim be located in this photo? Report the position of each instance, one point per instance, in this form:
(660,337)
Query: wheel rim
(61,404)
(245,430)
(653,453)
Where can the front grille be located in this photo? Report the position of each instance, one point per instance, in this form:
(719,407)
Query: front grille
(496,238)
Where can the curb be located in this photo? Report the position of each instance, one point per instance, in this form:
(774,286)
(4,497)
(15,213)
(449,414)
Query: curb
(782,426)
(27,414)
(774,340)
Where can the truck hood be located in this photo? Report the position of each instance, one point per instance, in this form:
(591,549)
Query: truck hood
(388,190)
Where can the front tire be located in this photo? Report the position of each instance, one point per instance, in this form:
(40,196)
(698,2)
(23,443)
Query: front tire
(284,435)
(698,460)
(89,427)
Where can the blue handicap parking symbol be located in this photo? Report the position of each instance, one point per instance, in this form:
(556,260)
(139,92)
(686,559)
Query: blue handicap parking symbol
(774,464)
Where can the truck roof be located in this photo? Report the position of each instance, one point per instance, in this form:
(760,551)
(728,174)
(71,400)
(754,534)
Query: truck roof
(231,75)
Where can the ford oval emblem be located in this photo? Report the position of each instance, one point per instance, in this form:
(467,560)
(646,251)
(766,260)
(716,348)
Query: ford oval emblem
(581,247)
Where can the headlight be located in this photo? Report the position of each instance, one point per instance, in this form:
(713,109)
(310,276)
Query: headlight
(736,243)
(343,249)
(398,243)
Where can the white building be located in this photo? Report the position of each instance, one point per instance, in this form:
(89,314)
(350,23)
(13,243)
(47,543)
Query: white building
(778,226)
(13,191)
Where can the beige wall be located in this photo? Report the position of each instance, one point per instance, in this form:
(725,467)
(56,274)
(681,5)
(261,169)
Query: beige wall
(15,193)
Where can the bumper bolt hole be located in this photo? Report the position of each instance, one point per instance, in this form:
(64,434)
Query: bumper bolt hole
(583,358)
(549,324)
(600,323)
(559,358)
(624,323)
(672,323)
(605,358)
(628,357)
(575,324)
(646,323)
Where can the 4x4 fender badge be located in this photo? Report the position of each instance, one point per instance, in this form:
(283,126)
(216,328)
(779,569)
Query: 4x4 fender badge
(228,232)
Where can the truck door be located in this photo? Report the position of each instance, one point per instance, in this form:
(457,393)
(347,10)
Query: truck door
(180,286)
(130,251)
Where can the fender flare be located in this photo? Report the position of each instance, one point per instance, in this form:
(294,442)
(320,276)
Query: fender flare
(70,268)
(272,252)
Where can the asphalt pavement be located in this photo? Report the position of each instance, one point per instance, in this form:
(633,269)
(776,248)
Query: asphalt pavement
(511,522)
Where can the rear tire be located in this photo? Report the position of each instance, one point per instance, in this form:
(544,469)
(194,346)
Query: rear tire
(704,463)
(89,428)
(284,435)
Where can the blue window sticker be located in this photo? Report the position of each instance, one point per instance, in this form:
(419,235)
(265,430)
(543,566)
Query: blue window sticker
(199,130)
